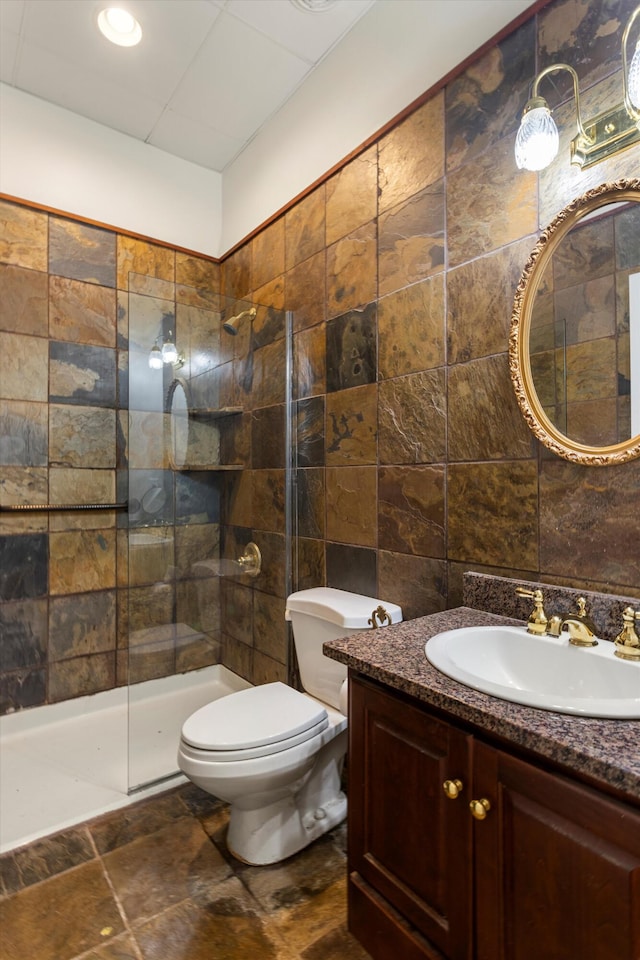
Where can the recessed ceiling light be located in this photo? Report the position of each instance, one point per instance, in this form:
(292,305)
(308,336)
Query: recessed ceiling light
(119,26)
(313,6)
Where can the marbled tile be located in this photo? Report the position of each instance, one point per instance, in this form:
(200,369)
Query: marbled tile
(235,273)
(310,432)
(488,205)
(144,258)
(236,610)
(148,442)
(82,312)
(122,319)
(153,660)
(411,510)
(150,496)
(484,421)
(351,505)
(267,254)
(82,374)
(352,270)
(198,604)
(411,243)
(81,486)
(267,438)
(309,923)
(310,570)
(595,423)
(267,670)
(22,688)
(304,226)
(148,318)
(80,251)
(411,156)
(238,499)
(411,329)
(271,579)
(24,301)
(235,440)
(493,513)
(143,612)
(268,500)
(195,542)
(148,389)
(24,367)
(478,290)
(46,858)
(81,676)
(23,433)
(412,418)
(24,485)
(485,102)
(591,370)
(193,649)
(23,566)
(197,332)
(237,657)
(197,280)
(197,497)
(150,559)
(122,379)
(352,568)
(352,426)
(305,286)
(269,626)
(23,236)
(269,323)
(82,436)
(23,634)
(352,196)
(589,521)
(351,349)
(586,252)
(61,917)
(81,625)
(311,502)
(416,584)
(82,560)
(309,348)
(626,230)
(270,380)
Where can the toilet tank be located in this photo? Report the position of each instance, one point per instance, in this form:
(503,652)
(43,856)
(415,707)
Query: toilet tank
(321,614)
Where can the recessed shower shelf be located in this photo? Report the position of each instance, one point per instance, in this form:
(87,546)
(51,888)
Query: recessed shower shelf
(211,467)
(214,413)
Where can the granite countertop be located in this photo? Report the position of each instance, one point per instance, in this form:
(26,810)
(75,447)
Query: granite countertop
(607,752)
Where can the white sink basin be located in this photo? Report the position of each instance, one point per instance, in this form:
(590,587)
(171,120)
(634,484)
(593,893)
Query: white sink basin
(544,672)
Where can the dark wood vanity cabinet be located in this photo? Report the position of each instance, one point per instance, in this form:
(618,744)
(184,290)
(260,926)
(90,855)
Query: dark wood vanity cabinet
(551,872)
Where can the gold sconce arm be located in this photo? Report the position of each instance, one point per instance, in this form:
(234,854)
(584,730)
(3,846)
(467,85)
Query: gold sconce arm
(576,93)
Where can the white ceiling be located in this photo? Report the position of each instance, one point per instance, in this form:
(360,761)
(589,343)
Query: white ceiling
(206,77)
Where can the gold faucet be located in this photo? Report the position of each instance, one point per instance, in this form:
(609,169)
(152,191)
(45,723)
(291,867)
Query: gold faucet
(537,622)
(627,642)
(581,628)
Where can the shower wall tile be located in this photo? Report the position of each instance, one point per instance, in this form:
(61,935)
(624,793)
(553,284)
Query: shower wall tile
(304,228)
(147,441)
(351,349)
(24,485)
(411,329)
(144,613)
(237,657)
(311,563)
(150,561)
(24,301)
(238,499)
(23,433)
(269,384)
(267,438)
(352,568)
(198,605)
(198,280)
(82,560)
(310,431)
(351,505)
(82,486)
(235,274)
(82,435)
(23,236)
(146,286)
(271,578)
(195,542)
(197,497)
(417,584)
(411,240)
(81,676)
(352,278)
(195,651)
(267,670)
(198,337)
(23,566)
(153,317)
(309,362)
(236,610)
(411,510)
(411,156)
(351,426)
(268,500)
(144,258)
(24,688)
(82,312)
(23,634)
(412,418)
(152,661)
(311,502)
(352,196)
(82,375)
(82,624)
(82,252)
(23,367)
(267,254)
(305,286)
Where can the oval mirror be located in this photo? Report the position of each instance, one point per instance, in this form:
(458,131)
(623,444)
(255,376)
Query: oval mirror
(574,344)
(178,435)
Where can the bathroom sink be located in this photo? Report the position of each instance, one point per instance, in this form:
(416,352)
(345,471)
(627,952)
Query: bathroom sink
(539,671)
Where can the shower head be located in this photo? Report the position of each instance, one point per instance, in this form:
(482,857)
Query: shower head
(231,325)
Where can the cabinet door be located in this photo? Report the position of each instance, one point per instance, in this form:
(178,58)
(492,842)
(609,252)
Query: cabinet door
(557,867)
(407,839)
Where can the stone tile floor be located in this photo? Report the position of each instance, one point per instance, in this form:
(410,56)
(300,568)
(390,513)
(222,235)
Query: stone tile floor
(155,882)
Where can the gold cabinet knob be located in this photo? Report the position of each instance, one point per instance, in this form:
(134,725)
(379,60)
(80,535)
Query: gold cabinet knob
(479,808)
(452,788)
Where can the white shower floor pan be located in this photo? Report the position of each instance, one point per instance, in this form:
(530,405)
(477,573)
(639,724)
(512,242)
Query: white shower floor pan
(67,762)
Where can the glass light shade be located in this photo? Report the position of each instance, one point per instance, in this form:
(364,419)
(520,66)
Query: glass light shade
(155,357)
(633,79)
(119,27)
(537,140)
(169,352)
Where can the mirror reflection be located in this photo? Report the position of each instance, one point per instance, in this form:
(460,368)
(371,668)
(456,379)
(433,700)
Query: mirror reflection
(178,407)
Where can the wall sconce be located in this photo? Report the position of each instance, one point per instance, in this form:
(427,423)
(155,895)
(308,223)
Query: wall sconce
(604,136)
(167,354)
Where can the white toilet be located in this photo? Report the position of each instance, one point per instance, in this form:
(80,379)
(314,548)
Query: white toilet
(276,754)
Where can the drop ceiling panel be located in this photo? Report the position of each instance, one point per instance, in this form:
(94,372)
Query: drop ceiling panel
(196,142)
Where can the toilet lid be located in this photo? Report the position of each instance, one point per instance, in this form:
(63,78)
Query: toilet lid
(256,717)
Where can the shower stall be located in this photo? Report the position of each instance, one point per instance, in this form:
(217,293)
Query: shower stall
(203,547)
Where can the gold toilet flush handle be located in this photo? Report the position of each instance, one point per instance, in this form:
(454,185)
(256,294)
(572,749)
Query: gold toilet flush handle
(381,614)
(480,808)
(452,788)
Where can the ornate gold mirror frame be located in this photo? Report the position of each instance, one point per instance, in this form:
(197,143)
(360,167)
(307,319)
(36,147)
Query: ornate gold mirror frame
(620,191)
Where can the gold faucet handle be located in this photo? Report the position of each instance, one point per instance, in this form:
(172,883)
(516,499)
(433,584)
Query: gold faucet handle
(537,622)
(627,643)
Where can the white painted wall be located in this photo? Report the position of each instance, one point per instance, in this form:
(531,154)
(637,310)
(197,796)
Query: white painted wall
(56,158)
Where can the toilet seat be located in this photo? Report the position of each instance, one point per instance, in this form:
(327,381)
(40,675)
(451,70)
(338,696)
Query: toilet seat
(254,723)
